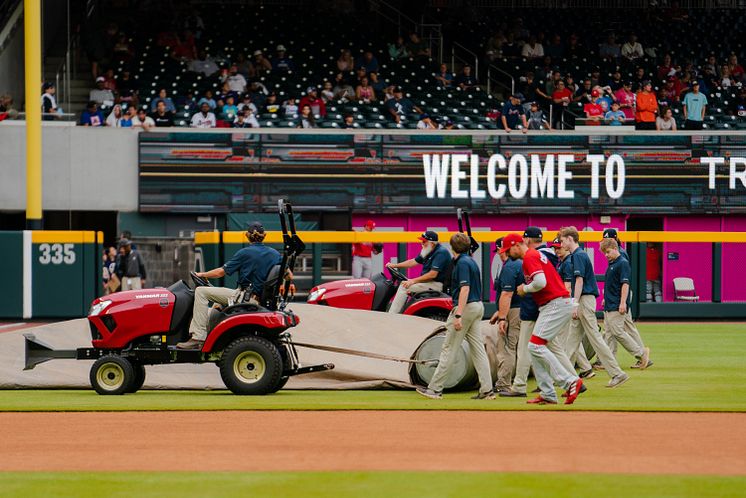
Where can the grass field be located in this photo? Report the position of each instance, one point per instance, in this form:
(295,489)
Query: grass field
(698,367)
(343,484)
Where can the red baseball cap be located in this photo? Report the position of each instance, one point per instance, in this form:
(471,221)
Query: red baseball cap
(370,223)
(555,242)
(511,240)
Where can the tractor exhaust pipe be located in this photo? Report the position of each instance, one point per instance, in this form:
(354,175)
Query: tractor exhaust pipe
(37,352)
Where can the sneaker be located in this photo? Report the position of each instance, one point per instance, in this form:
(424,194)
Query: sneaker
(582,390)
(574,391)
(191,344)
(540,401)
(487,395)
(618,380)
(429,393)
(537,390)
(598,366)
(645,359)
(588,374)
(636,365)
(509,393)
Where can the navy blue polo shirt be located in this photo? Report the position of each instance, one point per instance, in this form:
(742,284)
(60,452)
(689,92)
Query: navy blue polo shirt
(509,279)
(565,270)
(466,272)
(624,254)
(582,267)
(253,264)
(617,273)
(437,260)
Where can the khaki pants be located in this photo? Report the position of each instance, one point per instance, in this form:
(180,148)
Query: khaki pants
(523,360)
(588,325)
(616,327)
(470,330)
(361,267)
(202,296)
(400,299)
(131,283)
(507,346)
(629,327)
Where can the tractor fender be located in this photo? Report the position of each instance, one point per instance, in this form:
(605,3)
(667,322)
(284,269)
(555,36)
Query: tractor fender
(268,321)
(444,303)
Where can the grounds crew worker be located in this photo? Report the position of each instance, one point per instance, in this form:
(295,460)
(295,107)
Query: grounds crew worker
(253,264)
(463,323)
(129,268)
(362,261)
(435,260)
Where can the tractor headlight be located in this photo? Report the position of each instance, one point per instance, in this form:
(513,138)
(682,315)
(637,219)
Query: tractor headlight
(98,308)
(316,294)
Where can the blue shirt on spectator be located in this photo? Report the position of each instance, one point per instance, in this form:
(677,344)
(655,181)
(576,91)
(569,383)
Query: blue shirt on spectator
(402,107)
(466,272)
(92,118)
(170,107)
(695,103)
(512,114)
(210,102)
(253,264)
(439,260)
(511,276)
(613,118)
(282,64)
(617,273)
(582,267)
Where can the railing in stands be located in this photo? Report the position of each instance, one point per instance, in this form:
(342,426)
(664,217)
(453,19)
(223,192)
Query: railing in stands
(584,4)
(492,72)
(429,32)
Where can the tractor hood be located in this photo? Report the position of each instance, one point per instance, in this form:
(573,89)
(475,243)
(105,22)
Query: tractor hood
(354,293)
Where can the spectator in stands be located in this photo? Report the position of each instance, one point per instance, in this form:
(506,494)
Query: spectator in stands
(610,50)
(595,77)
(615,117)
(666,122)
(615,83)
(537,120)
(584,94)
(593,113)
(236,81)
(186,102)
(162,116)
(397,50)
(203,64)
(495,42)
(726,79)
(466,81)
(312,100)
(128,89)
(290,107)
(208,98)
(110,82)
(685,84)
(306,117)
(348,122)
(345,63)
(626,99)
(400,106)
(513,116)
(271,106)
(100,95)
(444,76)
(342,89)
(737,106)
(246,103)
(603,97)
(281,62)
(129,115)
(262,65)
(92,116)
(245,67)
(669,92)
(532,50)
(369,62)
(632,50)
(246,119)
(646,108)
(530,91)
(561,99)
(417,47)
(575,49)
(229,110)
(711,68)
(552,83)
(48,102)
(360,73)
(736,70)
(426,122)
(555,49)
(378,84)
(365,92)
(511,49)
(204,118)
(446,124)
(666,69)
(258,93)
(114,118)
(163,97)
(142,120)
(186,47)
(327,92)
(694,107)
(638,79)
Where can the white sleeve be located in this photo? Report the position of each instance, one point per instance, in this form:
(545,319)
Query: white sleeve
(539,282)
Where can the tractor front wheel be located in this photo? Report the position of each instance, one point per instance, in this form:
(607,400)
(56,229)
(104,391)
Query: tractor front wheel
(112,375)
(251,365)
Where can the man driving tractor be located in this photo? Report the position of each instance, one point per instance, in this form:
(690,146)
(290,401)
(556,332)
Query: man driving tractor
(435,260)
(253,264)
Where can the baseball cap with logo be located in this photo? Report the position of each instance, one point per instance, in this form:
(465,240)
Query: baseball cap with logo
(610,233)
(510,240)
(532,232)
(429,235)
(255,226)
(499,244)
(370,223)
(555,242)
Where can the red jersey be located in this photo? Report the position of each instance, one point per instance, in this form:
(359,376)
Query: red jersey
(362,249)
(535,262)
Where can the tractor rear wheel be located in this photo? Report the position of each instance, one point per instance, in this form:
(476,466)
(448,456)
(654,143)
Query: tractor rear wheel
(112,375)
(139,379)
(251,365)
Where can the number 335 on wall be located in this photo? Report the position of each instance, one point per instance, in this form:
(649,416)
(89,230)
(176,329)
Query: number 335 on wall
(57,254)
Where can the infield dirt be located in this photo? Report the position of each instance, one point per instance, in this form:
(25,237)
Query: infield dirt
(608,442)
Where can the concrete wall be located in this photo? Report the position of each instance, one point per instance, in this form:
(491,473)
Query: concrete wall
(90,169)
(12,67)
(166,260)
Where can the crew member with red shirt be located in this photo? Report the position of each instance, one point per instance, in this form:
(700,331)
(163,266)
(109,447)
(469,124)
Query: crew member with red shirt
(362,253)
(555,312)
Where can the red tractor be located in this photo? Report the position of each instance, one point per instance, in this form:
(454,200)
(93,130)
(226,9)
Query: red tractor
(376,294)
(251,344)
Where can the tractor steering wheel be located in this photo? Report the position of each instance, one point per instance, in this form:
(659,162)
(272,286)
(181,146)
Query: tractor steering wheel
(199,281)
(397,274)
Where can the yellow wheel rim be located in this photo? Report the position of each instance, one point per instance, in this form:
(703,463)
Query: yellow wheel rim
(249,367)
(110,376)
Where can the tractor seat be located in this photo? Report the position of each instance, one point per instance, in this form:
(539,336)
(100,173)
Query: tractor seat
(429,294)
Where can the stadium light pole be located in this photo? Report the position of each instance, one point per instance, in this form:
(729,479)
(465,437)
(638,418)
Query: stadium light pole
(32,30)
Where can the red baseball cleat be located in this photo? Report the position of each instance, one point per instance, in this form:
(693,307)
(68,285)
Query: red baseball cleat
(540,401)
(574,391)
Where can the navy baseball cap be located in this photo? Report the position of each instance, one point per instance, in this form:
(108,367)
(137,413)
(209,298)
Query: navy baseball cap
(533,233)
(610,233)
(499,244)
(255,226)
(429,235)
